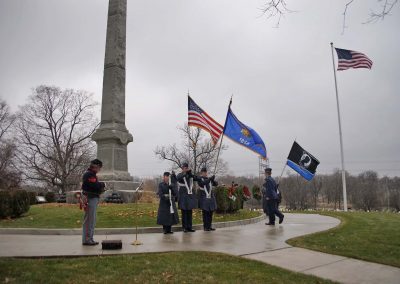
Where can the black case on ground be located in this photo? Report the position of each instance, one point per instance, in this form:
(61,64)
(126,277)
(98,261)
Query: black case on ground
(111,244)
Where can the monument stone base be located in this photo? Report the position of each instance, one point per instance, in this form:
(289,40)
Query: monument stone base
(126,190)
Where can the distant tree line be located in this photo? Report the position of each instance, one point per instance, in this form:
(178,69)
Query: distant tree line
(366,191)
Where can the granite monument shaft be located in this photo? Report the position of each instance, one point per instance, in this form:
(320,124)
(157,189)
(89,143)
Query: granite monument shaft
(112,135)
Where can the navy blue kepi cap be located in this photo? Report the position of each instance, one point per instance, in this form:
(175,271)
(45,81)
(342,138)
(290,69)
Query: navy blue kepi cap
(166,174)
(97,162)
(268,170)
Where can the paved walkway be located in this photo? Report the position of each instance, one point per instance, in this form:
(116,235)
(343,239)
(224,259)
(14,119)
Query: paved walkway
(255,241)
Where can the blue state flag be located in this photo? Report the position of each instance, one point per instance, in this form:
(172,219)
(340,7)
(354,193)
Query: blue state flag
(244,135)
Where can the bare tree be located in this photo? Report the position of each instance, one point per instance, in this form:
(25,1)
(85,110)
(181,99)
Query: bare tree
(195,150)
(10,176)
(393,187)
(295,193)
(316,186)
(367,189)
(54,130)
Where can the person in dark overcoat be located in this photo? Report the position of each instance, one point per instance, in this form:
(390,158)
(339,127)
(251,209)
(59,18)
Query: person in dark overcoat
(207,200)
(92,188)
(167,213)
(270,198)
(187,200)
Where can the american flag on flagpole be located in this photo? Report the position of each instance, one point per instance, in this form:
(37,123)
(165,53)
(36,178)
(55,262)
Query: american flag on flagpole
(352,59)
(199,118)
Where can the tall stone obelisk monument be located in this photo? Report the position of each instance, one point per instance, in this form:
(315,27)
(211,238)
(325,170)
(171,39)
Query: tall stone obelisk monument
(112,136)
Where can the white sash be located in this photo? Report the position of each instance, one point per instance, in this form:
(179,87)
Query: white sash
(208,193)
(189,189)
(171,208)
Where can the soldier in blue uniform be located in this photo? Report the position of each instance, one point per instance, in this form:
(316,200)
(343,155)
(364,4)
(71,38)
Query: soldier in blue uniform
(187,200)
(167,212)
(270,198)
(92,189)
(207,201)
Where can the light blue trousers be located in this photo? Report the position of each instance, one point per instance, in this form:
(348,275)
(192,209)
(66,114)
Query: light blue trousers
(89,220)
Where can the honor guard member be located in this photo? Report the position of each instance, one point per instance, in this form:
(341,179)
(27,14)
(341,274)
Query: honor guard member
(167,212)
(92,189)
(270,198)
(207,201)
(187,200)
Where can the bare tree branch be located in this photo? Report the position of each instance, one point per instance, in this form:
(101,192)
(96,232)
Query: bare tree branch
(6,119)
(275,8)
(196,150)
(10,175)
(278,9)
(345,14)
(386,9)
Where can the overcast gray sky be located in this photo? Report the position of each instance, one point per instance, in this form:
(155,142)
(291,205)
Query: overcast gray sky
(281,78)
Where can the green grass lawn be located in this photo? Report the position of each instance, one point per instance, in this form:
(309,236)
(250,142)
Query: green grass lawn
(56,215)
(173,267)
(371,236)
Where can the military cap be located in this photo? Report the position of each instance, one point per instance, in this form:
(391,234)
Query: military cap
(166,174)
(268,170)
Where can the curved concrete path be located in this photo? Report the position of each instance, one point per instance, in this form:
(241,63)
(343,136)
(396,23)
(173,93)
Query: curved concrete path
(255,241)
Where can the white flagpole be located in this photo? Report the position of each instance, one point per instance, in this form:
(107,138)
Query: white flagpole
(222,137)
(280,177)
(340,135)
(189,142)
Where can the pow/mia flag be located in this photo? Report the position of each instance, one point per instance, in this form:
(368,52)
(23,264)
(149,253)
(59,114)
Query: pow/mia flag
(302,161)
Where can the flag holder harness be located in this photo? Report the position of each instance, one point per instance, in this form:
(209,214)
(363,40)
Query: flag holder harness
(208,193)
(185,184)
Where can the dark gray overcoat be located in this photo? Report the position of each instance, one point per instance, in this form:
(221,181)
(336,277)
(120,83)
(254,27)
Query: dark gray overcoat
(205,203)
(269,190)
(164,216)
(187,200)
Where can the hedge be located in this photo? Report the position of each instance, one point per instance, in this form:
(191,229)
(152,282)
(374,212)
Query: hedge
(32,197)
(50,197)
(5,204)
(13,203)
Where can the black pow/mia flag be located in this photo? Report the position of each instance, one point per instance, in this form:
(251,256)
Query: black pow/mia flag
(302,161)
